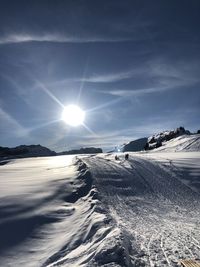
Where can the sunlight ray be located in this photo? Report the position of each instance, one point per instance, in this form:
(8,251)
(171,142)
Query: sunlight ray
(44,88)
(82,82)
(107,104)
(89,130)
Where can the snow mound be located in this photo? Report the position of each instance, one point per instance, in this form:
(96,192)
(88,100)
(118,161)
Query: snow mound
(52,215)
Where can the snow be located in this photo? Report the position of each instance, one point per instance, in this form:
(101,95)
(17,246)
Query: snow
(98,211)
(182,143)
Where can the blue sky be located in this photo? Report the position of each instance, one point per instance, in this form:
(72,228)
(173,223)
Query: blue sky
(133,66)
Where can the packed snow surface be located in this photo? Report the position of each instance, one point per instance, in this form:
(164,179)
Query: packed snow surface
(98,211)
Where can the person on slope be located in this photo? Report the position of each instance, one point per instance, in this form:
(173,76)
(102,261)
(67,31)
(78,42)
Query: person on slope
(126,156)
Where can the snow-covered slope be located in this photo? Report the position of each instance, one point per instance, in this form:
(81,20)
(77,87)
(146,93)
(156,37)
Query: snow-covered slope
(181,143)
(98,211)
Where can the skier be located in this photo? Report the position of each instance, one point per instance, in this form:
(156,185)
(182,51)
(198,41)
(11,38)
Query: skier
(116,157)
(126,156)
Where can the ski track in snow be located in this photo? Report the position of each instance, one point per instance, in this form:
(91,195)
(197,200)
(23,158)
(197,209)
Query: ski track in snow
(158,210)
(96,211)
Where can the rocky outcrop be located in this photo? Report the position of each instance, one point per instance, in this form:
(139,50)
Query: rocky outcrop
(156,140)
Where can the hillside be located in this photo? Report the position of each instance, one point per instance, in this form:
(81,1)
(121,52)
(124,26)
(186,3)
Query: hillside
(181,143)
(169,140)
(25,151)
(85,150)
(157,140)
(136,145)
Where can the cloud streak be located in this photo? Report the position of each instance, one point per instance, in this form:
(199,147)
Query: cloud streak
(137,92)
(109,78)
(161,77)
(56,38)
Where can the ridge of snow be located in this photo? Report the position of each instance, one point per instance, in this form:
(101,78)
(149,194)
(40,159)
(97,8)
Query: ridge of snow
(51,214)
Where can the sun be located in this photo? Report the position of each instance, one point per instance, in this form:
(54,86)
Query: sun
(73,115)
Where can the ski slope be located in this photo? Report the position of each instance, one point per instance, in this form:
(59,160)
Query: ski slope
(149,199)
(98,211)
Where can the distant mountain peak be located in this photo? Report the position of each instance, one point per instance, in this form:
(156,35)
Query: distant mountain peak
(136,145)
(24,151)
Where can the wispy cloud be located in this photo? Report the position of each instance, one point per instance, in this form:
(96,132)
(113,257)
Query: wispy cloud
(55,38)
(110,77)
(135,92)
(161,76)
(165,75)
(99,77)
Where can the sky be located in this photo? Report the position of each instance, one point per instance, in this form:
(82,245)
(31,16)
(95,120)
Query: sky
(133,66)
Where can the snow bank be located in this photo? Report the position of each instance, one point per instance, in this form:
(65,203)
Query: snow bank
(51,215)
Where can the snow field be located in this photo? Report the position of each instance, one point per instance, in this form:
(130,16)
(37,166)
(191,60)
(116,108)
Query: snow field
(96,211)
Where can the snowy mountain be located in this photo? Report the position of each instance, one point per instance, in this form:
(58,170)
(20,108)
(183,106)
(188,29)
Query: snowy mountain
(95,211)
(136,145)
(181,143)
(174,140)
(170,140)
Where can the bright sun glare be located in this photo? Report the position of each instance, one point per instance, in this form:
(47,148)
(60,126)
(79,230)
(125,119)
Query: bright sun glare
(73,115)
